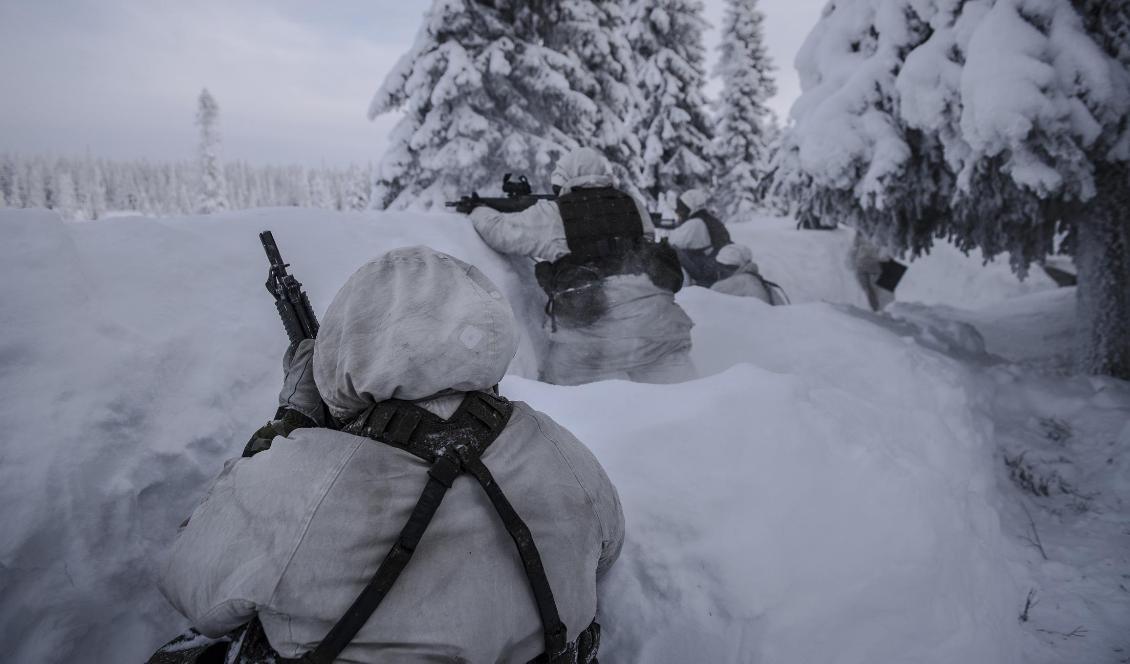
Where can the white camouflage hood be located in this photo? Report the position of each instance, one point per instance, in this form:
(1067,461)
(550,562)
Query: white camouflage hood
(582,167)
(412,324)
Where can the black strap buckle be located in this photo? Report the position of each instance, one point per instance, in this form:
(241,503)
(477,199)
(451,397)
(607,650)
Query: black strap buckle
(556,641)
(445,470)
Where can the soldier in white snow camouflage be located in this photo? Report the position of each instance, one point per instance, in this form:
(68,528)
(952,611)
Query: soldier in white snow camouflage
(611,306)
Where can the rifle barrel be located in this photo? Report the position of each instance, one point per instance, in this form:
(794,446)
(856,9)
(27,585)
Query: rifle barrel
(272,250)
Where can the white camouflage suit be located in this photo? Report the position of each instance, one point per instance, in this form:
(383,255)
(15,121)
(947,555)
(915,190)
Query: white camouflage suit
(746,280)
(644,336)
(295,532)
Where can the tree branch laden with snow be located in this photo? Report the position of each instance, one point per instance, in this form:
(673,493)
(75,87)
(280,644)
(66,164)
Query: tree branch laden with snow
(666,36)
(988,122)
(744,127)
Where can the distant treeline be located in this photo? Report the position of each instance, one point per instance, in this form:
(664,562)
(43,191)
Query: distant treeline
(89,187)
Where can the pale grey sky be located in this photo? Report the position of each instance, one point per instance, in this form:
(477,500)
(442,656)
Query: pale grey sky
(293,78)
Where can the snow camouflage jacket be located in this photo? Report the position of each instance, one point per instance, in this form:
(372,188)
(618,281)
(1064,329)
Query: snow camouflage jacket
(294,533)
(642,328)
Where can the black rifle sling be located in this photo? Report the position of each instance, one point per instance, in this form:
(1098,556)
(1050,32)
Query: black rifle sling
(556,637)
(451,446)
(440,476)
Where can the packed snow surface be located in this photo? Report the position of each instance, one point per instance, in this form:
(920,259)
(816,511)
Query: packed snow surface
(831,490)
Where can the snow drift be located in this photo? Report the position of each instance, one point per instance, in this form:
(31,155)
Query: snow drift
(823,494)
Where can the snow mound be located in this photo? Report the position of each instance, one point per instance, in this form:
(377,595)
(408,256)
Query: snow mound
(823,494)
(812,266)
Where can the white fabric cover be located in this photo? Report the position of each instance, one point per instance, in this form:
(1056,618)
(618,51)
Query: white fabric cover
(582,167)
(644,336)
(695,199)
(409,325)
(294,533)
(734,254)
(691,234)
(744,283)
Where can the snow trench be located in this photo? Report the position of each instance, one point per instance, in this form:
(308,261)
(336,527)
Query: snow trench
(823,494)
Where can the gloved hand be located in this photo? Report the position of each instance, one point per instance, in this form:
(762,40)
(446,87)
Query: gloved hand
(299,393)
(299,401)
(468,203)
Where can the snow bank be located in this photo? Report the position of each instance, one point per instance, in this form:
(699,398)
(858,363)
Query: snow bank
(812,266)
(824,494)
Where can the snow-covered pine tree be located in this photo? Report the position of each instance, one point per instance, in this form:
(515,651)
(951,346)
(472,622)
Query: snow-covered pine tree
(319,191)
(64,199)
(357,188)
(91,189)
(8,186)
(35,184)
(211,196)
(666,37)
(996,125)
(593,32)
(744,126)
(482,95)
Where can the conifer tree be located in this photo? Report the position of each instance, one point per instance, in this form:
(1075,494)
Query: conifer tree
(63,196)
(482,94)
(666,37)
(996,126)
(319,191)
(744,125)
(35,185)
(8,186)
(357,188)
(91,189)
(593,32)
(211,196)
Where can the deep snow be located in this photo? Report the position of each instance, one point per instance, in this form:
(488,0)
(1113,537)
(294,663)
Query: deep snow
(834,489)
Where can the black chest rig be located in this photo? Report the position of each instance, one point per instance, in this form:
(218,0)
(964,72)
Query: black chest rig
(719,236)
(605,235)
(601,224)
(452,447)
(700,264)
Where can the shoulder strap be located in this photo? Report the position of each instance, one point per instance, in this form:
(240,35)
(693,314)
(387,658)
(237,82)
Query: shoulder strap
(770,287)
(451,446)
(474,426)
(553,630)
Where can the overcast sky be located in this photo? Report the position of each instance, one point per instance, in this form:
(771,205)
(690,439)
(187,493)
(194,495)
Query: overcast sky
(293,78)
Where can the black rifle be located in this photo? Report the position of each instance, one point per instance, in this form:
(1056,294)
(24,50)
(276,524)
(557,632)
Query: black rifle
(300,322)
(291,301)
(519,196)
(659,221)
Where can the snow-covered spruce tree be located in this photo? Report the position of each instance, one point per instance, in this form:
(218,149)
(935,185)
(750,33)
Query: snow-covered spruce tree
(357,188)
(592,32)
(34,184)
(744,126)
(319,191)
(666,37)
(8,186)
(483,94)
(994,124)
(211,196)
(63,194)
